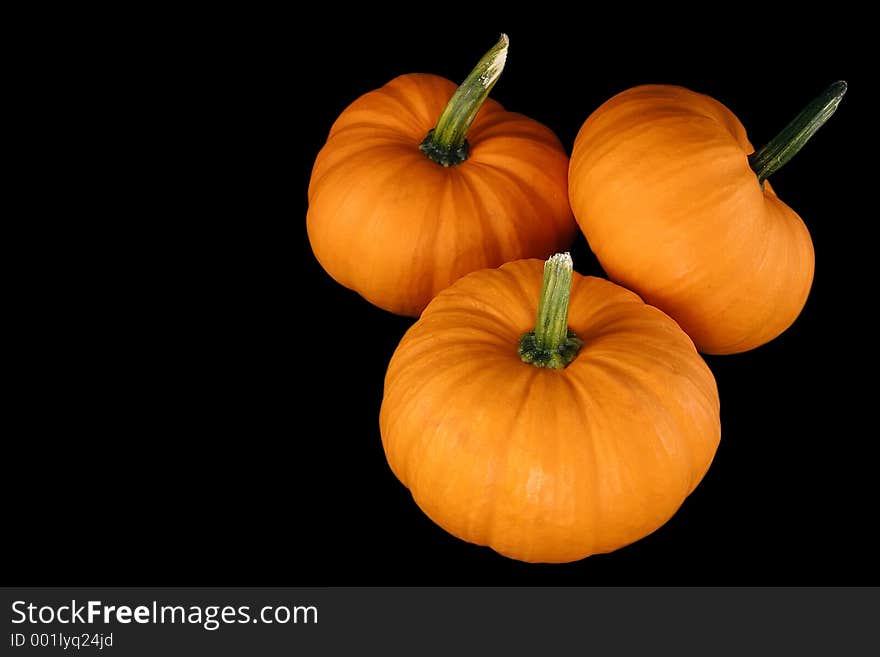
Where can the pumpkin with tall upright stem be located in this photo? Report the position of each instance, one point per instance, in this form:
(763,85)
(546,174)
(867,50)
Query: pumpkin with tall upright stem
(554,438)
(420,183)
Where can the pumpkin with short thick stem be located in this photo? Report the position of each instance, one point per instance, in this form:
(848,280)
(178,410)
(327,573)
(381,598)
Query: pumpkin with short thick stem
(402,203)
(553,439)
(674,203)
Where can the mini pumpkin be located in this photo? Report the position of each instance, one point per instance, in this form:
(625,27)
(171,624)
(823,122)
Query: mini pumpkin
(401,203)
(675,204)
(554,439)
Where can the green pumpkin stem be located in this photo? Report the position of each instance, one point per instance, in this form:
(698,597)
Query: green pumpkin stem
(447,143)
(551,344)
(767,160)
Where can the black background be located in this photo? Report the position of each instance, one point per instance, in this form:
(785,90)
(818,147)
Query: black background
(199,400)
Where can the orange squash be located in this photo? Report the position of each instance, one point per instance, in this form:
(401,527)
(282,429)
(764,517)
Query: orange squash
(550,445)
(401,203)
(673,201)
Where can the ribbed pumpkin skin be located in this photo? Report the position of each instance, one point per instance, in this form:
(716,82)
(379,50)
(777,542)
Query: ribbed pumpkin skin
(389,223)
(547,465)
(661,186)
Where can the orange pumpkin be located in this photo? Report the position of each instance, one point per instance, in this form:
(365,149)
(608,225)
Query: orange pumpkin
(584,438)
(399,207)
(671,202)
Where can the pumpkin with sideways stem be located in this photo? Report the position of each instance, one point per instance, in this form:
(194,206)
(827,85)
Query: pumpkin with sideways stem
(402,203)
(554,439)
(677,207)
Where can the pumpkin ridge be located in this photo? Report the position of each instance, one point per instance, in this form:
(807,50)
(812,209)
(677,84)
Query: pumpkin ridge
(515,186)
(365,224)
(610,365)
(432,242)
(412,111)
(370,130)
(405,462)
(484,219)
(465,384)
(517,179)
(493,325)
(666,428)
(514,234)
(496,512)
(629,485)
(581,401)
(511,126)
(393,150)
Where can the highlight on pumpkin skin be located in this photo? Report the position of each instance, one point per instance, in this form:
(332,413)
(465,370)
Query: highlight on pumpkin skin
(542,464)
(673,200)
(422,181)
